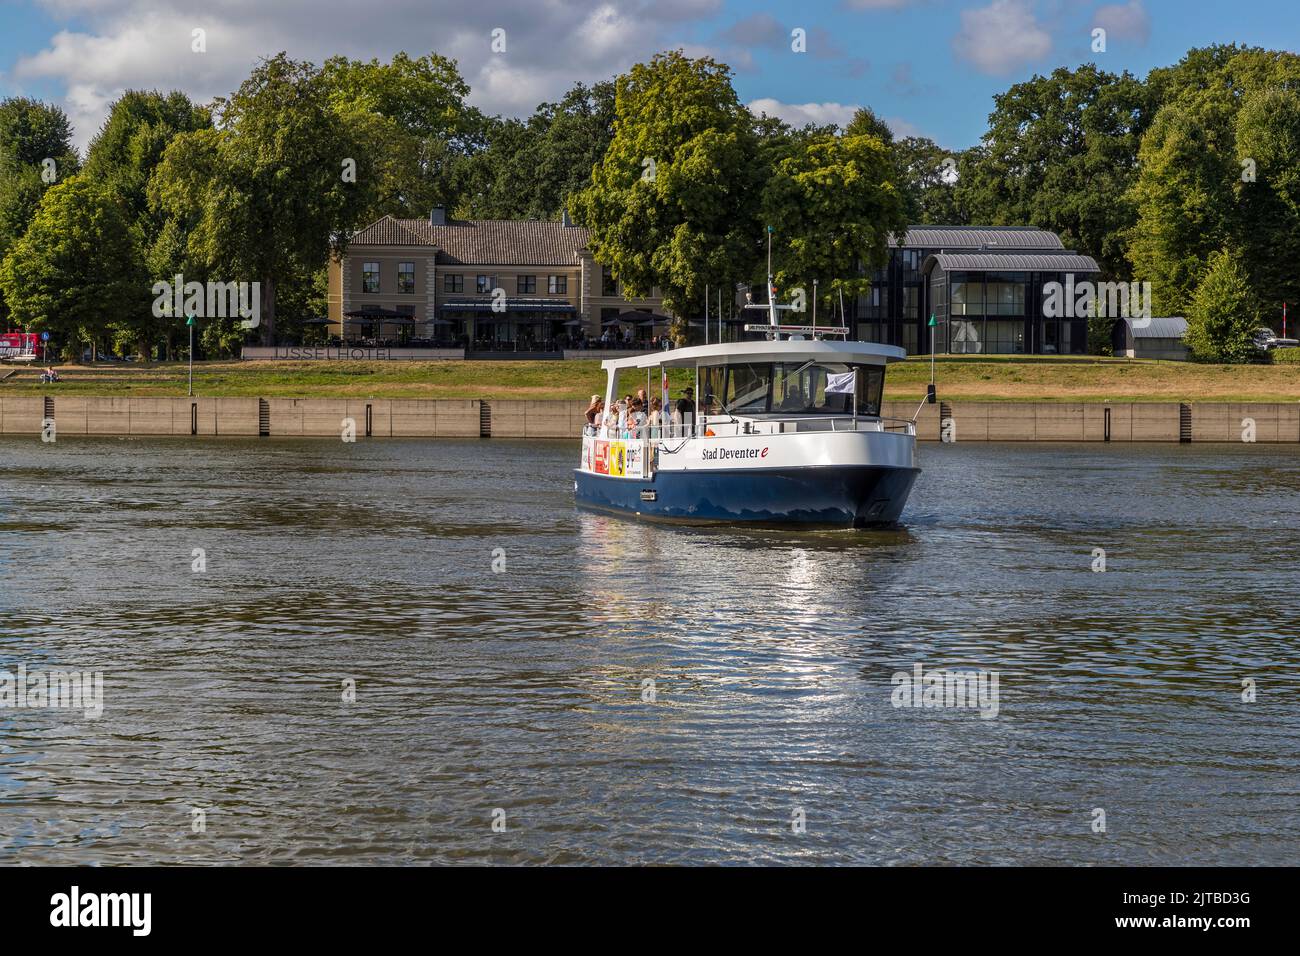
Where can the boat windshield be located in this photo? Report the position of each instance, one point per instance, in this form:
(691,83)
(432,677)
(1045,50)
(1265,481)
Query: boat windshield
(794,388)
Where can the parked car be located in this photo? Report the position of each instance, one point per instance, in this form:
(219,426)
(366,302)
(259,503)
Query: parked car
(1267,339)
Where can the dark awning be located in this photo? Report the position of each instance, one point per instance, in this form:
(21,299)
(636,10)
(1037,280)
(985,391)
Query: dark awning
(512,305)
(377,312)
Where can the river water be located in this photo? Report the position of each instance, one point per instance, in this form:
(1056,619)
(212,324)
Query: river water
(418,651)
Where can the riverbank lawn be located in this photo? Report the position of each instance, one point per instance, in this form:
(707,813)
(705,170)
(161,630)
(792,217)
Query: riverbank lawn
(960,378)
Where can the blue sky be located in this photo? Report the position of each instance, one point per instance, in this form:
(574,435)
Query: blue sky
(930,67)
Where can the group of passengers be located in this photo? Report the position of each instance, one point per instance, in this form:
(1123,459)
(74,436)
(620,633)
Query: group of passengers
(633,417)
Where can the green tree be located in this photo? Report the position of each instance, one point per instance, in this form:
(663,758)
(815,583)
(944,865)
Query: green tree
(1184,199)
(76,267)
(1201,186)
(1060,153)
(268,182)
(930,180)
(422,135)
(530,169)
(1267,133)
(31,133)
(833,204)
(674,203)
(129,146)
(122,157)
(1224,314)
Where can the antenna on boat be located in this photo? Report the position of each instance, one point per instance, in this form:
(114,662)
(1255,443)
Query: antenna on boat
(774,328)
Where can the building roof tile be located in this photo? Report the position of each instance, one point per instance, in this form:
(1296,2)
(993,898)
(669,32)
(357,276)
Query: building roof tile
(486,242)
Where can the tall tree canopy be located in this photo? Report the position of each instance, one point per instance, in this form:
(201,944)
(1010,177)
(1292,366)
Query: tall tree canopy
(1217,171)
(412,112)
(674,204)
(833,205)
(1061,153)
(269,181)
(1223,314)
(76,267)
(532,167)
(31,133)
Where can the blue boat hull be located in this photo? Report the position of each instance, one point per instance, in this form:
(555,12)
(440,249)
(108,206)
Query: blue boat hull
(842,496)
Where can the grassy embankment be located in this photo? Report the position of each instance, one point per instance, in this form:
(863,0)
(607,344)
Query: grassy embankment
(984,378)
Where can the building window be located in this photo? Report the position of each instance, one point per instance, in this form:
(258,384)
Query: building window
(608,285)
(370,277)
(1004,295)
(453,282)
(967,297)
(406,277)
(557,285)
(484,285)
(526,285)
(911,301)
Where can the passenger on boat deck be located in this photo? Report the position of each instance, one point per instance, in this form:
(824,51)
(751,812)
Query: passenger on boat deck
(686,404)
(594,410)
(636,419)
(656,419)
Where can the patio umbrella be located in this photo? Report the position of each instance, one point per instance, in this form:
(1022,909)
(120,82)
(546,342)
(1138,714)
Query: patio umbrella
(633,317)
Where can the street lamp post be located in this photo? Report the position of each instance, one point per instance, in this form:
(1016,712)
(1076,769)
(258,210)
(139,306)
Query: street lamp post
(189,322)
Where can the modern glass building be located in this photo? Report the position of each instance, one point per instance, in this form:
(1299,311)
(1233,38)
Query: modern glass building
(983,284)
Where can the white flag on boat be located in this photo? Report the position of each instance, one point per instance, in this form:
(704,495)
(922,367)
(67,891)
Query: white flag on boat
(840,384)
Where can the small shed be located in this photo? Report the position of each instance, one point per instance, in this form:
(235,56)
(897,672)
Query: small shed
(1156,338)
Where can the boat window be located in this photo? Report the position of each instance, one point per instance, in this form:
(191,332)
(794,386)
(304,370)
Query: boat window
(826,388)
(712,378)
(747,388)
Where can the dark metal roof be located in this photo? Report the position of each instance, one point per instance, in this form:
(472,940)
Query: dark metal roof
(977,237)
(1011,262)
(483,242)
(1165,327)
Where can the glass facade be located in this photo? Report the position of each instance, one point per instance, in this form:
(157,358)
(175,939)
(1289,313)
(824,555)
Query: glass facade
(977,312)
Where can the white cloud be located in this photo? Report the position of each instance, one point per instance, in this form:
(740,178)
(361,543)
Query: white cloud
(1124,21)
(822,114)
(134,44)
(877,4)
(1002,37)
(901,128)
(801,114)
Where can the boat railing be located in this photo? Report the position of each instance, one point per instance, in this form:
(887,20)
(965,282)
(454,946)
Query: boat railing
(770,426)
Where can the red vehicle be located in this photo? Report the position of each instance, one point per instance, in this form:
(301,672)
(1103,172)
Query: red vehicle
(20,347)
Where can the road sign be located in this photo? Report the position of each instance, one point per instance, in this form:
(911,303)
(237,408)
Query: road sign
(45,336)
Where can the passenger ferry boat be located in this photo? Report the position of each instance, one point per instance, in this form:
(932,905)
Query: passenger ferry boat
(786,430)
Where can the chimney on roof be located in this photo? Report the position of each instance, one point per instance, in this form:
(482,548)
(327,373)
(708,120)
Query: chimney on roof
(564,217)
(438,216)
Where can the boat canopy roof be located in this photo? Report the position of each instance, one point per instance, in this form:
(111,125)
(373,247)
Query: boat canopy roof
(728,353)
